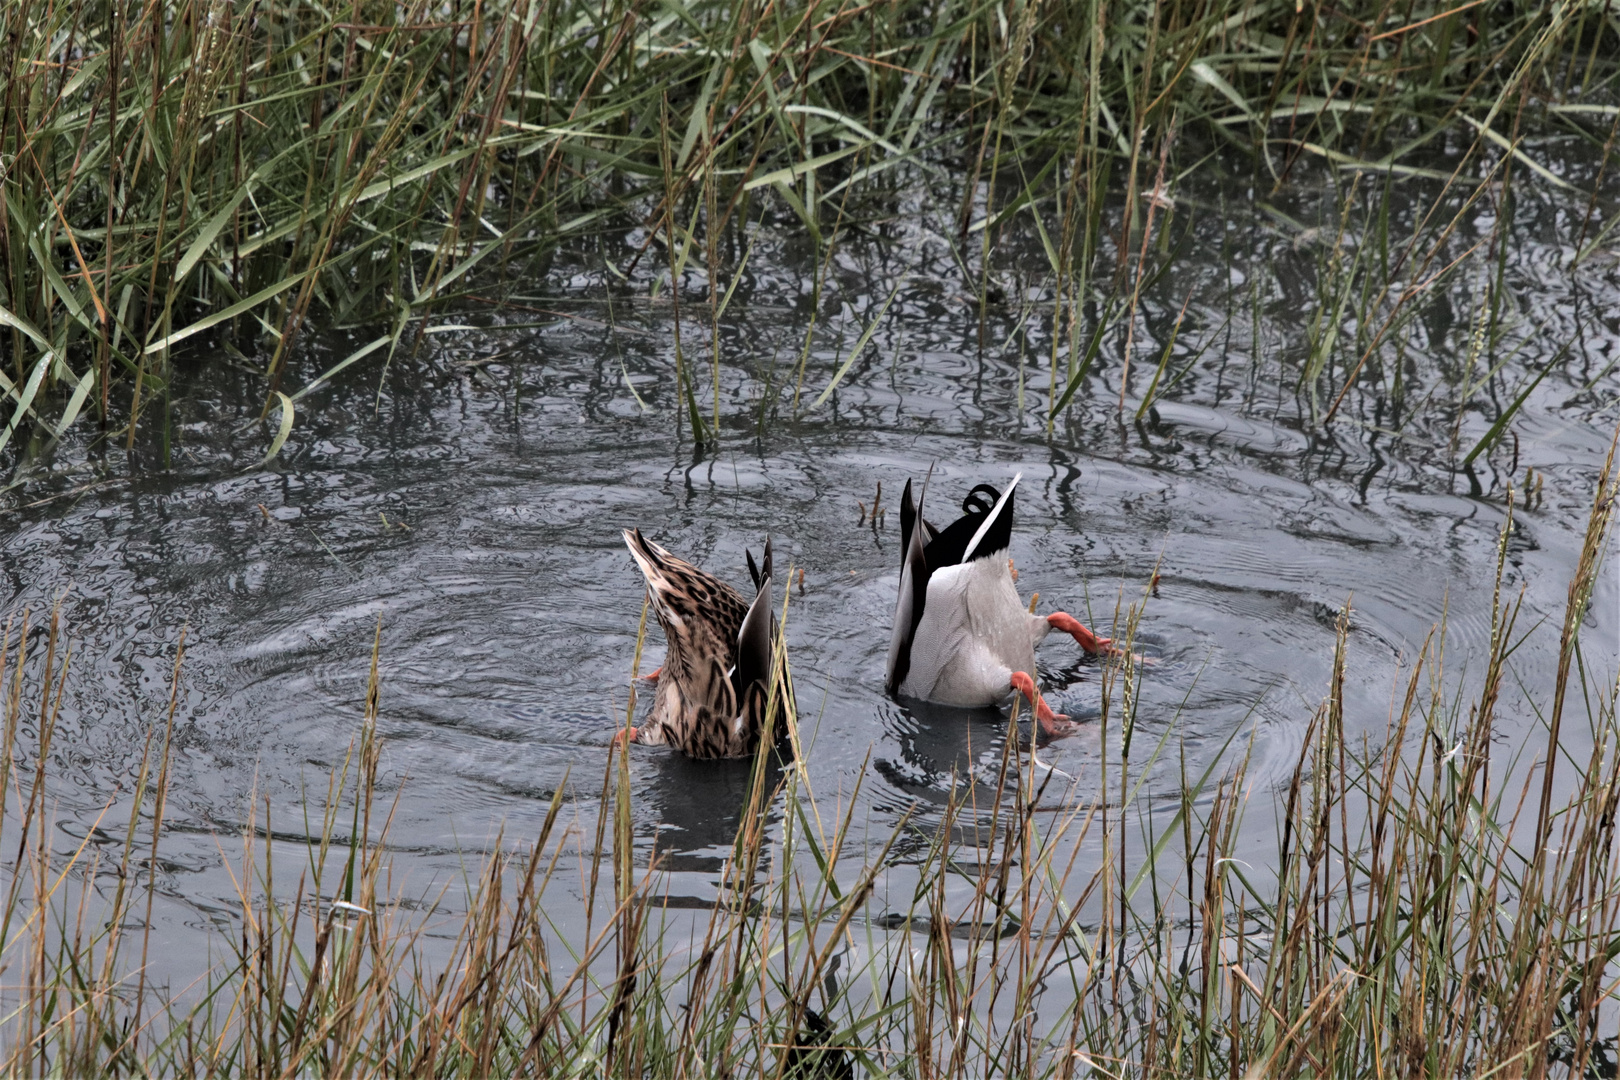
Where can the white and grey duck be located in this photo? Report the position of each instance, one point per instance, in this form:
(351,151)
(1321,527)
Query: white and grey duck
(714,688)
(961,634)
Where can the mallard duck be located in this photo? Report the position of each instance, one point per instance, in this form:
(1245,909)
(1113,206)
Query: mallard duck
(961,635)
(714,685)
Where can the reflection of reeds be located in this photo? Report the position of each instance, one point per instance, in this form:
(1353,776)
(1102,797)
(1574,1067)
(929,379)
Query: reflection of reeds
(190,167)
(1426,911)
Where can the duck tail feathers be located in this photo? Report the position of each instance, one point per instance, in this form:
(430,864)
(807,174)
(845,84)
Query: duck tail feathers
(761,572)
(648,555)
(995,531)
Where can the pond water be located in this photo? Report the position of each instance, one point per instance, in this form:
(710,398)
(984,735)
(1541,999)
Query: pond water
(470,499)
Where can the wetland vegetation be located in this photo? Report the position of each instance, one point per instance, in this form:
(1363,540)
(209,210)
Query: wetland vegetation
(187,172)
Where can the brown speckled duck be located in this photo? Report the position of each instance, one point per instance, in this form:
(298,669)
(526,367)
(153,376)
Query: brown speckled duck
(714,685)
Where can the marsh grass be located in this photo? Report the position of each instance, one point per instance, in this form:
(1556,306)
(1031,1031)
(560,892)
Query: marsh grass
(1431,908)
(195,171)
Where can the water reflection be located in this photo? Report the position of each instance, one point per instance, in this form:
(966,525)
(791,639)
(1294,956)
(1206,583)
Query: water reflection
(946,753)
(699,805)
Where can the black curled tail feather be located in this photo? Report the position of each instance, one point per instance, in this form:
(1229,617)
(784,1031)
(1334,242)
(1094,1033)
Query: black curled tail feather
(984,528)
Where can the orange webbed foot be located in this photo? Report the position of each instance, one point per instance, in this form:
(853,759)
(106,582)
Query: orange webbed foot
(623,738)
(1054,725)
(1062,620)
(1096,646)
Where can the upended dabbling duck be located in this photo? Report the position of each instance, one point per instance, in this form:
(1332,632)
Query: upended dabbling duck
(961,635)
(714,688)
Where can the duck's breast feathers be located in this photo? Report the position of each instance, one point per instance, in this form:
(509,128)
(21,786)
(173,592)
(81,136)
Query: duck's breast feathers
(983,530)
(913,597)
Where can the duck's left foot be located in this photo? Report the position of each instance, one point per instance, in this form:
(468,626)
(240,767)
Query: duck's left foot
(1088,641)
(652,676)
(1053,725)
(623,738)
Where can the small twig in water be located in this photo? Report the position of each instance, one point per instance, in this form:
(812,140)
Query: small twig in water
(332,553)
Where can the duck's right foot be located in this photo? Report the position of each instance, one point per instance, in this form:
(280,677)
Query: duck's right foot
(1053,725)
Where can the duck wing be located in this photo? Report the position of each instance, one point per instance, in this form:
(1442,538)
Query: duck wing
(914,574)
(756,637)
(756,668)
(756,655)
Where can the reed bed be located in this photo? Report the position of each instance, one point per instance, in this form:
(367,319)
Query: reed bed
(186,173)
(1430,909)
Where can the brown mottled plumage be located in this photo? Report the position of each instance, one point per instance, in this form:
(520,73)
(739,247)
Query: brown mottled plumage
(715,683)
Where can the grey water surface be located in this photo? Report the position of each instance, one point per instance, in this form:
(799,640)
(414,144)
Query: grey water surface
(468,499)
